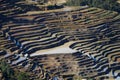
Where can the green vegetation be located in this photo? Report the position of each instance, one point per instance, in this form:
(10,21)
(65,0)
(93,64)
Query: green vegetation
(22,76)
(9,74)
(104,4)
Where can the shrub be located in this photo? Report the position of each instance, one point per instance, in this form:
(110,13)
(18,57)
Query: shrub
(22,76)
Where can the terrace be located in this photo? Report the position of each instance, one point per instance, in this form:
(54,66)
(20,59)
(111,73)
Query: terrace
(83,41)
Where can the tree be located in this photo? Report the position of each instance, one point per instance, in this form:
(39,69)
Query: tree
(104,4)
(7,72)
(10,74)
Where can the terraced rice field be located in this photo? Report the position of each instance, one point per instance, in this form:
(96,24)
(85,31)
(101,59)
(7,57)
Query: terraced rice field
(80,41)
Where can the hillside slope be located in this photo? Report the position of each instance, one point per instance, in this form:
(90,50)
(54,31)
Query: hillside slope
(78,41)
